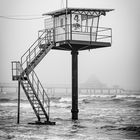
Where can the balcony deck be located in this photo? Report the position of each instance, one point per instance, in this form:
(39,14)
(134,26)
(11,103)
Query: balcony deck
(79,45)
(85,38)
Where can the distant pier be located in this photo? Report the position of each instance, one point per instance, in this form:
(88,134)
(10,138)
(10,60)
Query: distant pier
(54,89)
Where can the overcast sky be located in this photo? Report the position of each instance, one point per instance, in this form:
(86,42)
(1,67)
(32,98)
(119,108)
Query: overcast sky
(117,65)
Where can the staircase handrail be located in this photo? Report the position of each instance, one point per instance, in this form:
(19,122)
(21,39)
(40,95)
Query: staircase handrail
(33,44)
(31,49)
(44,94)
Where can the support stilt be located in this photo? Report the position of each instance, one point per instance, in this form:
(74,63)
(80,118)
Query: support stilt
(74,109)
(18,113)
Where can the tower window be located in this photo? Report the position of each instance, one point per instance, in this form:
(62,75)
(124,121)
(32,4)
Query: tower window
(61,22)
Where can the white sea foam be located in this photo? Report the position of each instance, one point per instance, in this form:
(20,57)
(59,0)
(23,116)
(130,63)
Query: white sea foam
(97,96)
(127,96)
(109,96)
(8,104)
(84,96)
(23,105)
(97,121)
(62,105)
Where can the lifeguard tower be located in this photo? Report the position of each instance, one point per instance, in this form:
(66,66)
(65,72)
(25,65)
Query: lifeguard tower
(68,29)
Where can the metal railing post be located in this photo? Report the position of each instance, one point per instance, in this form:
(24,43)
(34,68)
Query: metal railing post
(90,34)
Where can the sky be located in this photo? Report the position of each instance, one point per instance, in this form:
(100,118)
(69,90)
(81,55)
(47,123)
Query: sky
(115,65)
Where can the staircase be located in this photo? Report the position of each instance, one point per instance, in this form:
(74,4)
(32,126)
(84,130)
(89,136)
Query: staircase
(24,72)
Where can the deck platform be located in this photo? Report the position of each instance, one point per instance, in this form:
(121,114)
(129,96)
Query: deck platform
(79,45)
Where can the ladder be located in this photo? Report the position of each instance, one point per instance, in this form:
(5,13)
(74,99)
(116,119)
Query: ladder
(23,71)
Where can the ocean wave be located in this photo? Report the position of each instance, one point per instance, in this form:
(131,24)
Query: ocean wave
(4,135)
(83,96)
(110,96)
(135,104)
(8,104)
(66,99)
(22,100)
(11,100)
(103,96)
(13,104)
(108,127)
(128,96)
(60,105)
(131,128)
(25,104)
(5,100)
(55,98)
(114,98)
(86,101)
(97,96)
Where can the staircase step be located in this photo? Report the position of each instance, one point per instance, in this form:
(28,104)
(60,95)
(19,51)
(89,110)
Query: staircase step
(43,117)
(29,89)
(39,111)
(30,92)
(41,114)
(35,103)
(38,107)
(26,83)
(32,96)
(35,100)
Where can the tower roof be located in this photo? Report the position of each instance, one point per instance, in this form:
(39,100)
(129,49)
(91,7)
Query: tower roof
(63,11)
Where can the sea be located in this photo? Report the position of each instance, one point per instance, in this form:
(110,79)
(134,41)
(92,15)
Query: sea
(101,117)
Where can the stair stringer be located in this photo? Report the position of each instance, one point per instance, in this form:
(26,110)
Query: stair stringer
(32,104)
(39,101)
(31,58)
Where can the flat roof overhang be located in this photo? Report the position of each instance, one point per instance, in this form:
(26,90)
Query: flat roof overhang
(63,11)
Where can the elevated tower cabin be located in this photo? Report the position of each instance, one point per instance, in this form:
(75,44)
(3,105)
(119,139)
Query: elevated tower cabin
(70,29)
(77,29)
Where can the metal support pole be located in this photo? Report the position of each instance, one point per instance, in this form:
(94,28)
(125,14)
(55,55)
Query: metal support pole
(18,113)
(66,26)
(74,109)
